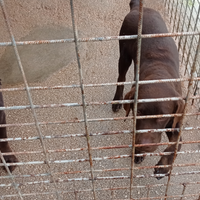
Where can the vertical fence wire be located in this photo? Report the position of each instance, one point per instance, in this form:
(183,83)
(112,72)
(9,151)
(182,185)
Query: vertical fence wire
(11,176)
(182,29)
(148,191)
(189,92)
(179,19)
(191,43)
(112,194)
(183,192)
(189,54)
(165,1)
(5,14)
(83,95)
(193,70)
(172,11)
(169,1)
(137,74)
(188,27)
(175,15)
(75,195)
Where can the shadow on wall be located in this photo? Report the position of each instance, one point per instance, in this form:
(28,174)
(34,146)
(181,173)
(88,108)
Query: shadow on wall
(39,61)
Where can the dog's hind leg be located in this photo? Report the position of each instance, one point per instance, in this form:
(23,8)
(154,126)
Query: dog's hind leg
(168,159)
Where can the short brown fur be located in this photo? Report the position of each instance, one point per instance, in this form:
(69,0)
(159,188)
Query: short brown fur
(159,60)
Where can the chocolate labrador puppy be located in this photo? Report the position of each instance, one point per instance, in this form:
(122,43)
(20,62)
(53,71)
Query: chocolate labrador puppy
(4,146)
(159,60)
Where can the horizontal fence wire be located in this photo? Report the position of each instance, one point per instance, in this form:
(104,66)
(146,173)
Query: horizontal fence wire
(105,189)
(99,85)
(127,37)
(102,178)
(10,176)
(28,94)
(96,103)
(181,32)
(114,147)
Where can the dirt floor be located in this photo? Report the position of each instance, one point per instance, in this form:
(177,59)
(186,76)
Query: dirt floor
(99,63)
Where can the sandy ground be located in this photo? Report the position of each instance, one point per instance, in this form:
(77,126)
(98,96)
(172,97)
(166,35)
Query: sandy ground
(99,63)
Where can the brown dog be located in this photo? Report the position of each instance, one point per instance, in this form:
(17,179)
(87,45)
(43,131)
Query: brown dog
(4,146)
(159,60)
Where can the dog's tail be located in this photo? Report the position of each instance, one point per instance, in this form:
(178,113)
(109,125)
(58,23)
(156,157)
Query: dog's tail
(134,3)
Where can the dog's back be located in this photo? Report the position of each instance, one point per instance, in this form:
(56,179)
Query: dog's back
(152,20)
(159,55)
(153,49)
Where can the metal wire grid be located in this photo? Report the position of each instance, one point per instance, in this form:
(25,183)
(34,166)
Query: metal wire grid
(91,159)
(185,16)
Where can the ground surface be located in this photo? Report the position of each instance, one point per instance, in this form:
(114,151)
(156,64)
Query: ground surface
(99,62)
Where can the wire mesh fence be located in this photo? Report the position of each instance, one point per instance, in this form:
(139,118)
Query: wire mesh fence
(185,17)
(70,144)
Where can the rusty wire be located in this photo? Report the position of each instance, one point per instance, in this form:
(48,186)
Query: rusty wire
(105,178)
(11,176)
(182,29)
(97,120)
(111,189)
(5,15)
(117,188)
(114,147)
(193,70)
(188,27)
(137,72)
(172,9)
(98,85)
(183,192)
(190,47)
(83,96)
(179,17)
(85,120)
(112,133)
(106,170)
(95,39)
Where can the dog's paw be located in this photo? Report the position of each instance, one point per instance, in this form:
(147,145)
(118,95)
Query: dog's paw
(139,159)
(163,171)
(116,107)
(10,159)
